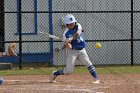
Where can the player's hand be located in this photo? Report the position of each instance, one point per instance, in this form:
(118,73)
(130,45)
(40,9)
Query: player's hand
(69,39)
(68,45)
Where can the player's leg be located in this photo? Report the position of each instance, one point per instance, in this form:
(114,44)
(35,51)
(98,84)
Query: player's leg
(69,66)
(84,59)
(70,63)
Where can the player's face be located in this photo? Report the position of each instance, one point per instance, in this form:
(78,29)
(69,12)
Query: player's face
(70,26)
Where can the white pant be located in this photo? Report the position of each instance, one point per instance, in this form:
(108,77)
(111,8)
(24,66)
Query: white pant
(72,55)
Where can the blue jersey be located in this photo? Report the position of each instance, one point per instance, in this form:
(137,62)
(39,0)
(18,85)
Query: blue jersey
(78,43)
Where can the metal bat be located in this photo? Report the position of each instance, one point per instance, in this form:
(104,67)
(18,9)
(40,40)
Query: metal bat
(51,36)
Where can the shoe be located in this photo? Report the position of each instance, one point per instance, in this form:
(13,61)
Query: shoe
(96,82)
(1,80)
(52,78)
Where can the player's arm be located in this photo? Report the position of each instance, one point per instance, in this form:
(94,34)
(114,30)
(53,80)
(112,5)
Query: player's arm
(77,34)
(66,44)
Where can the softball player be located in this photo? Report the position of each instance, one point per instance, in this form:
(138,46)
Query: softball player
(75,45)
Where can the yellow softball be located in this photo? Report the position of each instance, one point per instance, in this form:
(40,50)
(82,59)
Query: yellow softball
(98,45)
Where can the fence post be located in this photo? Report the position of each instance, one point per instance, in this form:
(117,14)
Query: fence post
(132,60)
(50,31)
(20,35)
(2,29)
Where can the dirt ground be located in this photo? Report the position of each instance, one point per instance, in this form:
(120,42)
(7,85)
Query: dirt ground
(110,83)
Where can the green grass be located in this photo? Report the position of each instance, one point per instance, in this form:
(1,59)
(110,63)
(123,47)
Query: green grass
(119,70)
(78,70)
(112,70)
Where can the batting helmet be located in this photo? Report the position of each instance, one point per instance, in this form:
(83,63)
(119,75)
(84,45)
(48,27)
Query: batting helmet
(69,19)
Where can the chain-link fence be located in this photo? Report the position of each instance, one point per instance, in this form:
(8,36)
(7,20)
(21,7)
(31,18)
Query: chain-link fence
(113,23)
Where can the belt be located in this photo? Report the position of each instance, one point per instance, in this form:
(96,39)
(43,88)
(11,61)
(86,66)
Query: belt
(77,49)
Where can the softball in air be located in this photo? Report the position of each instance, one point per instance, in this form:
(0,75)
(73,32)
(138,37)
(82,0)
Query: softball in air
(98,45)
